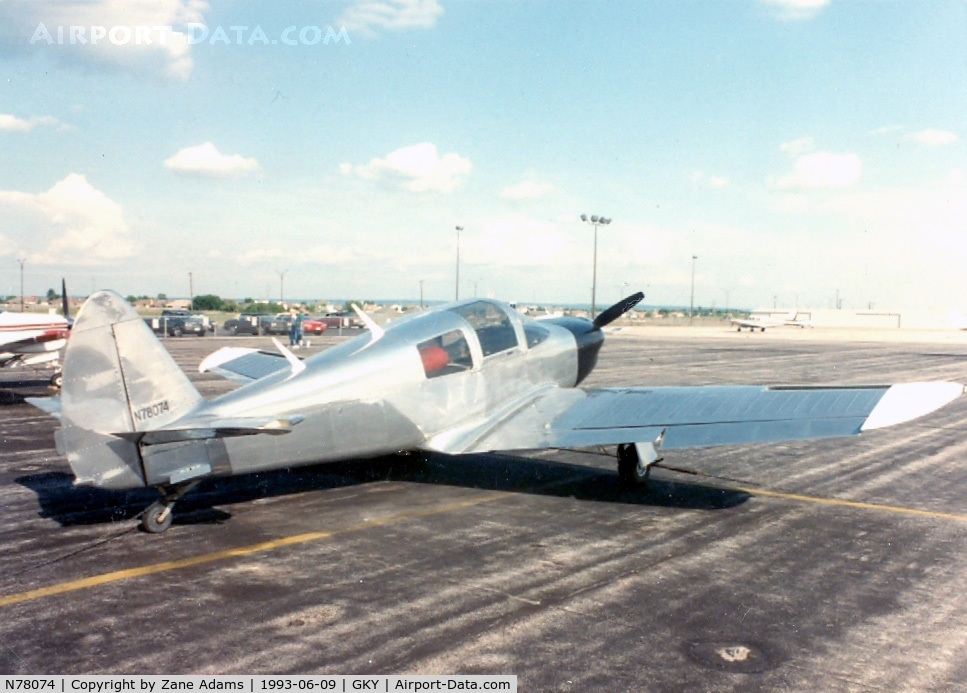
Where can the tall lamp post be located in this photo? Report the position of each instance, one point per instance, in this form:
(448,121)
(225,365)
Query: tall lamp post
(691,301)
(21,260)
(281,274)
(457,292)
(595,221)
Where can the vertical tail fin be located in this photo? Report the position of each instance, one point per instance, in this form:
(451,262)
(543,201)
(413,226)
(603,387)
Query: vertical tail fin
(118,378)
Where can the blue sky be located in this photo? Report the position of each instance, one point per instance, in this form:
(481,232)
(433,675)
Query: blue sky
(798,147)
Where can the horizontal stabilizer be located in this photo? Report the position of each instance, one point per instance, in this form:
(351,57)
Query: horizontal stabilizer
(202,428)
(244,365)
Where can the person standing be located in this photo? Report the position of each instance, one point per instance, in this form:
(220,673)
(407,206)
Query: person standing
(295,328)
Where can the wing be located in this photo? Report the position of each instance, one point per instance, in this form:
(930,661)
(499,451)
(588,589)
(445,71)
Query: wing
(684,417)
(243,365)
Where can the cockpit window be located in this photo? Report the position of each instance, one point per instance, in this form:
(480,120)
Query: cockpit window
(446,354)
(534,333)
(492,325)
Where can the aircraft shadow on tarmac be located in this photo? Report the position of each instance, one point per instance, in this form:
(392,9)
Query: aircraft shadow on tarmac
(13,391)
(70,505)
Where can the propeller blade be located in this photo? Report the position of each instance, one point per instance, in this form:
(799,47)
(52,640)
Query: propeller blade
(617,310)
(63,297)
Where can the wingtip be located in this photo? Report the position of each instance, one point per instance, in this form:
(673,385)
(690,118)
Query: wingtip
(908,401)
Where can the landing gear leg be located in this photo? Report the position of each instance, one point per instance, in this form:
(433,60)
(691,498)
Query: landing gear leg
(634,468)
(157,518)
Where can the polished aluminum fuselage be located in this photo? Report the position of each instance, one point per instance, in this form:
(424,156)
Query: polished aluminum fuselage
(368,397)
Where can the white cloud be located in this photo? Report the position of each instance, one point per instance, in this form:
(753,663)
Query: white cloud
(417,168)
(517,240)
(72,223)
(526,190)
(823,170)
(886,129)
(715,182)
(205,160)
(933,138)
(131,38)
(798,147)
(938,208)
(796,9)
(366,16)
(11,123)
(308,255)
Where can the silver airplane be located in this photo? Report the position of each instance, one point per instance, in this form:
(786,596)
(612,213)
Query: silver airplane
(469,377)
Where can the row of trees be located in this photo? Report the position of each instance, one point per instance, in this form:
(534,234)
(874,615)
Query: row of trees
(213,302)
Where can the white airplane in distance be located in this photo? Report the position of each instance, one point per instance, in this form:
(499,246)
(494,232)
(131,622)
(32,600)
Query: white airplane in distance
(34,340)
(758,321)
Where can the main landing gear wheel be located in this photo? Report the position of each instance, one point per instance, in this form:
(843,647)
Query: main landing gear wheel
(157,518)
(633,472)
(57,379)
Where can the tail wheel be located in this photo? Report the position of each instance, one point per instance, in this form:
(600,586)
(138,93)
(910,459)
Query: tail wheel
(157,518)
(57,379)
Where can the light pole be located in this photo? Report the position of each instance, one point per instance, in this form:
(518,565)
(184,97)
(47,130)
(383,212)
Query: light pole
(691,301)
(21,260)
(457,292)
(281,274)
(595,221)
(191,291)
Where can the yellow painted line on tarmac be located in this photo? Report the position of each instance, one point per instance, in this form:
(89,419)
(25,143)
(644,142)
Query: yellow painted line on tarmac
(118,575)
(851,504)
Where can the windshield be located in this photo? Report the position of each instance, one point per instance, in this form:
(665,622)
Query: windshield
(492,325)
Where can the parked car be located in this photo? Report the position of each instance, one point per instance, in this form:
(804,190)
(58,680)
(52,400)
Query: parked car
(313,326)
(246,323)
(310,325)
(337,320)
(275,324)
(176,323)
(258,323)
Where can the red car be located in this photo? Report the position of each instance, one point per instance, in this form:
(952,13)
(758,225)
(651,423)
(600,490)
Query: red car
(312,326)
